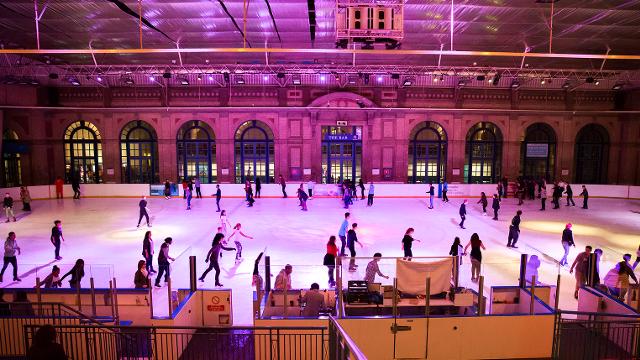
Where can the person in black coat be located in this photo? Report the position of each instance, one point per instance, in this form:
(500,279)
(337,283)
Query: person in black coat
(585,197)
(75,185)
(77,273)
(514,230)
(495,205)
(219,195)
(569,192)
(143,211)
(463,213)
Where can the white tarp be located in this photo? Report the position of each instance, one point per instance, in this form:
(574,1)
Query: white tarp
(412,276)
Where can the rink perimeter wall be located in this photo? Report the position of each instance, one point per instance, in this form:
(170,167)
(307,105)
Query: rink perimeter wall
(382,190)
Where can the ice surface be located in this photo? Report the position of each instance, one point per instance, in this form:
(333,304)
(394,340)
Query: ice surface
(103,231)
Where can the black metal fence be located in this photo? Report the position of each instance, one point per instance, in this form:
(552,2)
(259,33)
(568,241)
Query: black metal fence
(580,335)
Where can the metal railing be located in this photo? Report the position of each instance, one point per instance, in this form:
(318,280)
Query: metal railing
(341,346)
(160,343)
(584,335)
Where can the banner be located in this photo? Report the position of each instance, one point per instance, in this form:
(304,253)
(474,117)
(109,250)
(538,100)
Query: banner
(412,275)
(537,150)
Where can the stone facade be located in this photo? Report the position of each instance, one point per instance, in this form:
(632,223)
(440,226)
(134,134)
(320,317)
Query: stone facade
(296,116)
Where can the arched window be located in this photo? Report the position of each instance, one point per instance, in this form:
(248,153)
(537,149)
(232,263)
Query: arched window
(11,149)
(254,152)
(592,155)
(83,152)
(427,153)
(197,152)
(538,152)
(483,154)
(139,153)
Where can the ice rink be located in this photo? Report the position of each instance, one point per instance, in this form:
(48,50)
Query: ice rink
(103,232)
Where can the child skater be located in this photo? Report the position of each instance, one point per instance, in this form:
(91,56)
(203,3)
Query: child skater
(302,195)
(224,221)
(237,231)
(483,200)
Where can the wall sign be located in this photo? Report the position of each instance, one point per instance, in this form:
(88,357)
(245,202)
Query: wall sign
(224,171)
(341,123)
(375,171)
(537,150)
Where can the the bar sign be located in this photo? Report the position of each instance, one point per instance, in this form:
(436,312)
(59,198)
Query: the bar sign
(537,150)
(341,123)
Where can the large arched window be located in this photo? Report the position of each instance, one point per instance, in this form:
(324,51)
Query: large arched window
(592,155)
(483,154)
(254,152)
(427,153)
(83,152)
(139,153)
(11,149)
(197,152)
(538,152)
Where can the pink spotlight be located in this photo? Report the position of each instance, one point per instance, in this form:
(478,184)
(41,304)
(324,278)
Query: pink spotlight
(379,78)
(265,77)
(152,78)
(323,78)
(210,77)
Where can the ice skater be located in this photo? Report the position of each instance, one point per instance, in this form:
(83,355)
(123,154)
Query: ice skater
(10,249)
(342,233)
(495,205)
(484,202)
(147,252)
(197,184)
(258,186)
(373,269)
(52,281)
(330,259)
(238,232)
(463,213)
(163,261)
(214,255)
(352,239)
(431,193)
(7,203)
(25,197)
(569,192)
(346,198)
(59,183)
(445,188)
(475,255)
(224,221)
(57,238)
(361,186)
(302,195)
(585,197)
(407,241)
(185,186)
(219,196)
(283,185)
(581,265)
(75,186)
(310,185)
(543,196)
(167,189)
(247,189)
(500,191)
(250,199)
(144,211)
(567,243)
(514,230)
(371,194)
(457,250)
(77,273)
(188,196)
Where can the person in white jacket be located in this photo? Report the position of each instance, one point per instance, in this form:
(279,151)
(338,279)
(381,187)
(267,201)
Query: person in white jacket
(283,280)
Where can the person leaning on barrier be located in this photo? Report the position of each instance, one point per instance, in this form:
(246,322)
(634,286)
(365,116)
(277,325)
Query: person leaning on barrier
(314,301)
(283,280)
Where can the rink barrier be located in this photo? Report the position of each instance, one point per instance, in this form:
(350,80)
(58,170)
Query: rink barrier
(271,191)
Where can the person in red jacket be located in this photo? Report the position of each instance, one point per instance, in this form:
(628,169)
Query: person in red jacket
(59,186)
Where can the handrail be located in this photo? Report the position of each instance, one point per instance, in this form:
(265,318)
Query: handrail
(571,312)
(353,348)
(68,311)
(209,329)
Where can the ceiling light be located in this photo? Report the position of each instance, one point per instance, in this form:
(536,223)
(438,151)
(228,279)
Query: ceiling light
(352,80)
(566,85)
(379,78)
(74,81)
(617,86)
(210,77)
(152,78)
(462,82)
(597,82)
(323,78)
(296,80)
(496,79)
(240,80)
(408,81)
(99,78)
(184,81)
(199,77)
(34,82)
(128,80)
(515,84)
(265,77)
(542,82)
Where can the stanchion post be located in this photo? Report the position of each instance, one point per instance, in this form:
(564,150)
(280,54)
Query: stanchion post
(481,296)
(150,298)
(169,297)
(286,304)
(557,297)
(113,305)
(427,299)
(193,280)
(78,297)
(39,295)
(591,275)
(267,274)
(338,270)
(522,283)
(115,298)
(456,271)
(395,297)
(93,296)
(533,295)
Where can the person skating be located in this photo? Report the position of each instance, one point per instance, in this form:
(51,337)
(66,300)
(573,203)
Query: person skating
(147,251)
(407,241)
(617,279)
(456,249)
(213,257)
(495,205)
(256,279)
(250,199)
(303,197)
(247,189)
(342,233)
(557,193)
(75,186)
(10,249)
(25,197)
(585,197)
(445,188)
(514,230)
(432,193)
(163,261)
(283,279)
(167,189)
(219,196)
(237,232)
(190,185)
(543,196)
(59,183)
(188,196)
(283,185)
(258,186)
(224,221)
(569,192)
(475,255)
(185,186)
(346,198)
(77,273)
(373,269)
(505,187)
(371,194)
(143,211)
(197,184)
(567,243)
(7,203)
(581,265)
(500,191)
(484,202)
(354,192)
(310,185)
(330,259)
(141,277)
(57,238)
(361,186)
(520,191)
(352,239)
(52,281)
(463,213)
